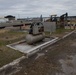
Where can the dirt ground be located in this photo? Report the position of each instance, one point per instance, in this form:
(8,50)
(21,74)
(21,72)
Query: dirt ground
(58,59)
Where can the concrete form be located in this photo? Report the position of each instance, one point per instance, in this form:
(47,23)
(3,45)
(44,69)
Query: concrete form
(29,50)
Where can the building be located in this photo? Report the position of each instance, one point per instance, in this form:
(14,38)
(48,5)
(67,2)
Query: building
(10,17)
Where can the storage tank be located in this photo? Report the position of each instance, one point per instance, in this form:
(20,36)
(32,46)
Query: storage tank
(30,39)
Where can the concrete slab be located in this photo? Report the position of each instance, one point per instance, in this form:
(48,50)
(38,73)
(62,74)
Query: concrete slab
(22,46)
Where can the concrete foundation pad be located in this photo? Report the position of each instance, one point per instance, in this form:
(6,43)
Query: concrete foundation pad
(23,47)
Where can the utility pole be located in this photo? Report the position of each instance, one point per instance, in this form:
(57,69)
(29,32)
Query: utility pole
(41,18)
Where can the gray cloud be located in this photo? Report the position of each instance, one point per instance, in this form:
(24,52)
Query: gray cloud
(34,8)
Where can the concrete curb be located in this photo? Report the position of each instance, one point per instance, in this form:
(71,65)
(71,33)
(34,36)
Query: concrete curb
(13,65)
(42,46)
(68,34)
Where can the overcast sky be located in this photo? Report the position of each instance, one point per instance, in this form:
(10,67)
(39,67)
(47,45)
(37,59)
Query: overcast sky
(34,8)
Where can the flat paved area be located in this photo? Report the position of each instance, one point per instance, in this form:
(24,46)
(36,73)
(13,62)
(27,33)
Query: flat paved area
(23,47)
(58,59)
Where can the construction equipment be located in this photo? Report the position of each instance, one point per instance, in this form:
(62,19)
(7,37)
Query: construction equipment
(63,19)
(53,18)
(35,33)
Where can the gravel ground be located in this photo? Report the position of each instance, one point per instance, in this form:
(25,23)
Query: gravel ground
(58,59)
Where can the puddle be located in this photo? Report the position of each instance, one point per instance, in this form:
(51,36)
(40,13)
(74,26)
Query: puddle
(39,55)
(68,66)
